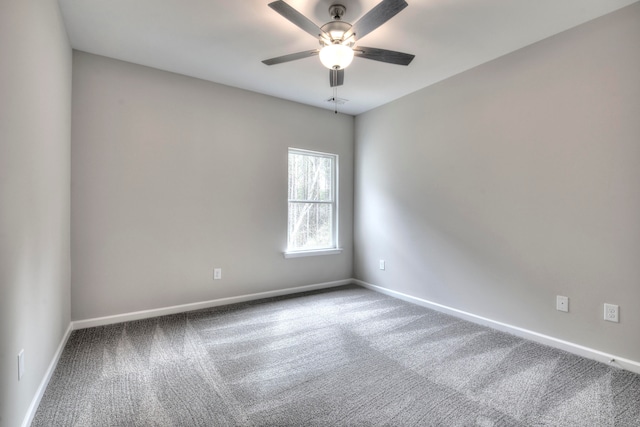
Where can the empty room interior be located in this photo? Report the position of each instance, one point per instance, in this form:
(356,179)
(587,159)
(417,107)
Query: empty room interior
(205,222)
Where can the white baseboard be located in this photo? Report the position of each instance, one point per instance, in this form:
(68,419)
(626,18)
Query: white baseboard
(145,314)
(619,362)
(33,407)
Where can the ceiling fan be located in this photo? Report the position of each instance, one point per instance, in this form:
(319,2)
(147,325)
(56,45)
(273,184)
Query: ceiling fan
(338,38)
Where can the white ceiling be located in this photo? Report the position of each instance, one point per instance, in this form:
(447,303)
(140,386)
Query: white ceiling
(224,41)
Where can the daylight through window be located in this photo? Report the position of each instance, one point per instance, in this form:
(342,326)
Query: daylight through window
(312,201)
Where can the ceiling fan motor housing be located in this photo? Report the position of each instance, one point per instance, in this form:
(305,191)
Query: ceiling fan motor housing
(336,29)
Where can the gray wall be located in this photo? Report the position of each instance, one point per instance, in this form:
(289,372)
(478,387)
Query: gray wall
(172,176)
(35,114)
(500,188)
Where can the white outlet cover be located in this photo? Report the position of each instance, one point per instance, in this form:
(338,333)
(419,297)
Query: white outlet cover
(611,312)
(382,264)
(217,273)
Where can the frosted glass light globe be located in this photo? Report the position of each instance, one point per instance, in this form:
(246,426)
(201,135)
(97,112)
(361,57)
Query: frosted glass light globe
(336,56)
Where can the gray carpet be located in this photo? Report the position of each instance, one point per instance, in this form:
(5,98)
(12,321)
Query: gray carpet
(346,356)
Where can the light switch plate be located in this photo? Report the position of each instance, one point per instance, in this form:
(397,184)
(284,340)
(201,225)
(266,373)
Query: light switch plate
(611,312)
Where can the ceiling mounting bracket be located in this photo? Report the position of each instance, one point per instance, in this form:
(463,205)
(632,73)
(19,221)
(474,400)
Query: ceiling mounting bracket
(337,11)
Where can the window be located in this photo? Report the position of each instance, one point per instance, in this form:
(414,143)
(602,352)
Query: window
(312,224)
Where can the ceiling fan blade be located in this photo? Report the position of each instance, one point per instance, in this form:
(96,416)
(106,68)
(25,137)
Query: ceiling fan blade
(336,77)
(377,16)
(383,55)
(291,57)
(297,18)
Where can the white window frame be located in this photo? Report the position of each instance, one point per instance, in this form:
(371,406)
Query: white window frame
(334,248)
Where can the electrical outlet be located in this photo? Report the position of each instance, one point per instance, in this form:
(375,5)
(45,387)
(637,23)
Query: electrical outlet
(381,264)
(611,312)
(217,273)
(20,364)
(562,303)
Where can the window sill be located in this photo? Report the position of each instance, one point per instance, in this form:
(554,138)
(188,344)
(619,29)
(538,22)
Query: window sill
(315,252)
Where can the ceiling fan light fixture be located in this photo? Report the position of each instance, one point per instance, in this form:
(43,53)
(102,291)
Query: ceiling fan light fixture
(336,56)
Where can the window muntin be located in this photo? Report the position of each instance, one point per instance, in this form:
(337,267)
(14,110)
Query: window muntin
(312,213)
